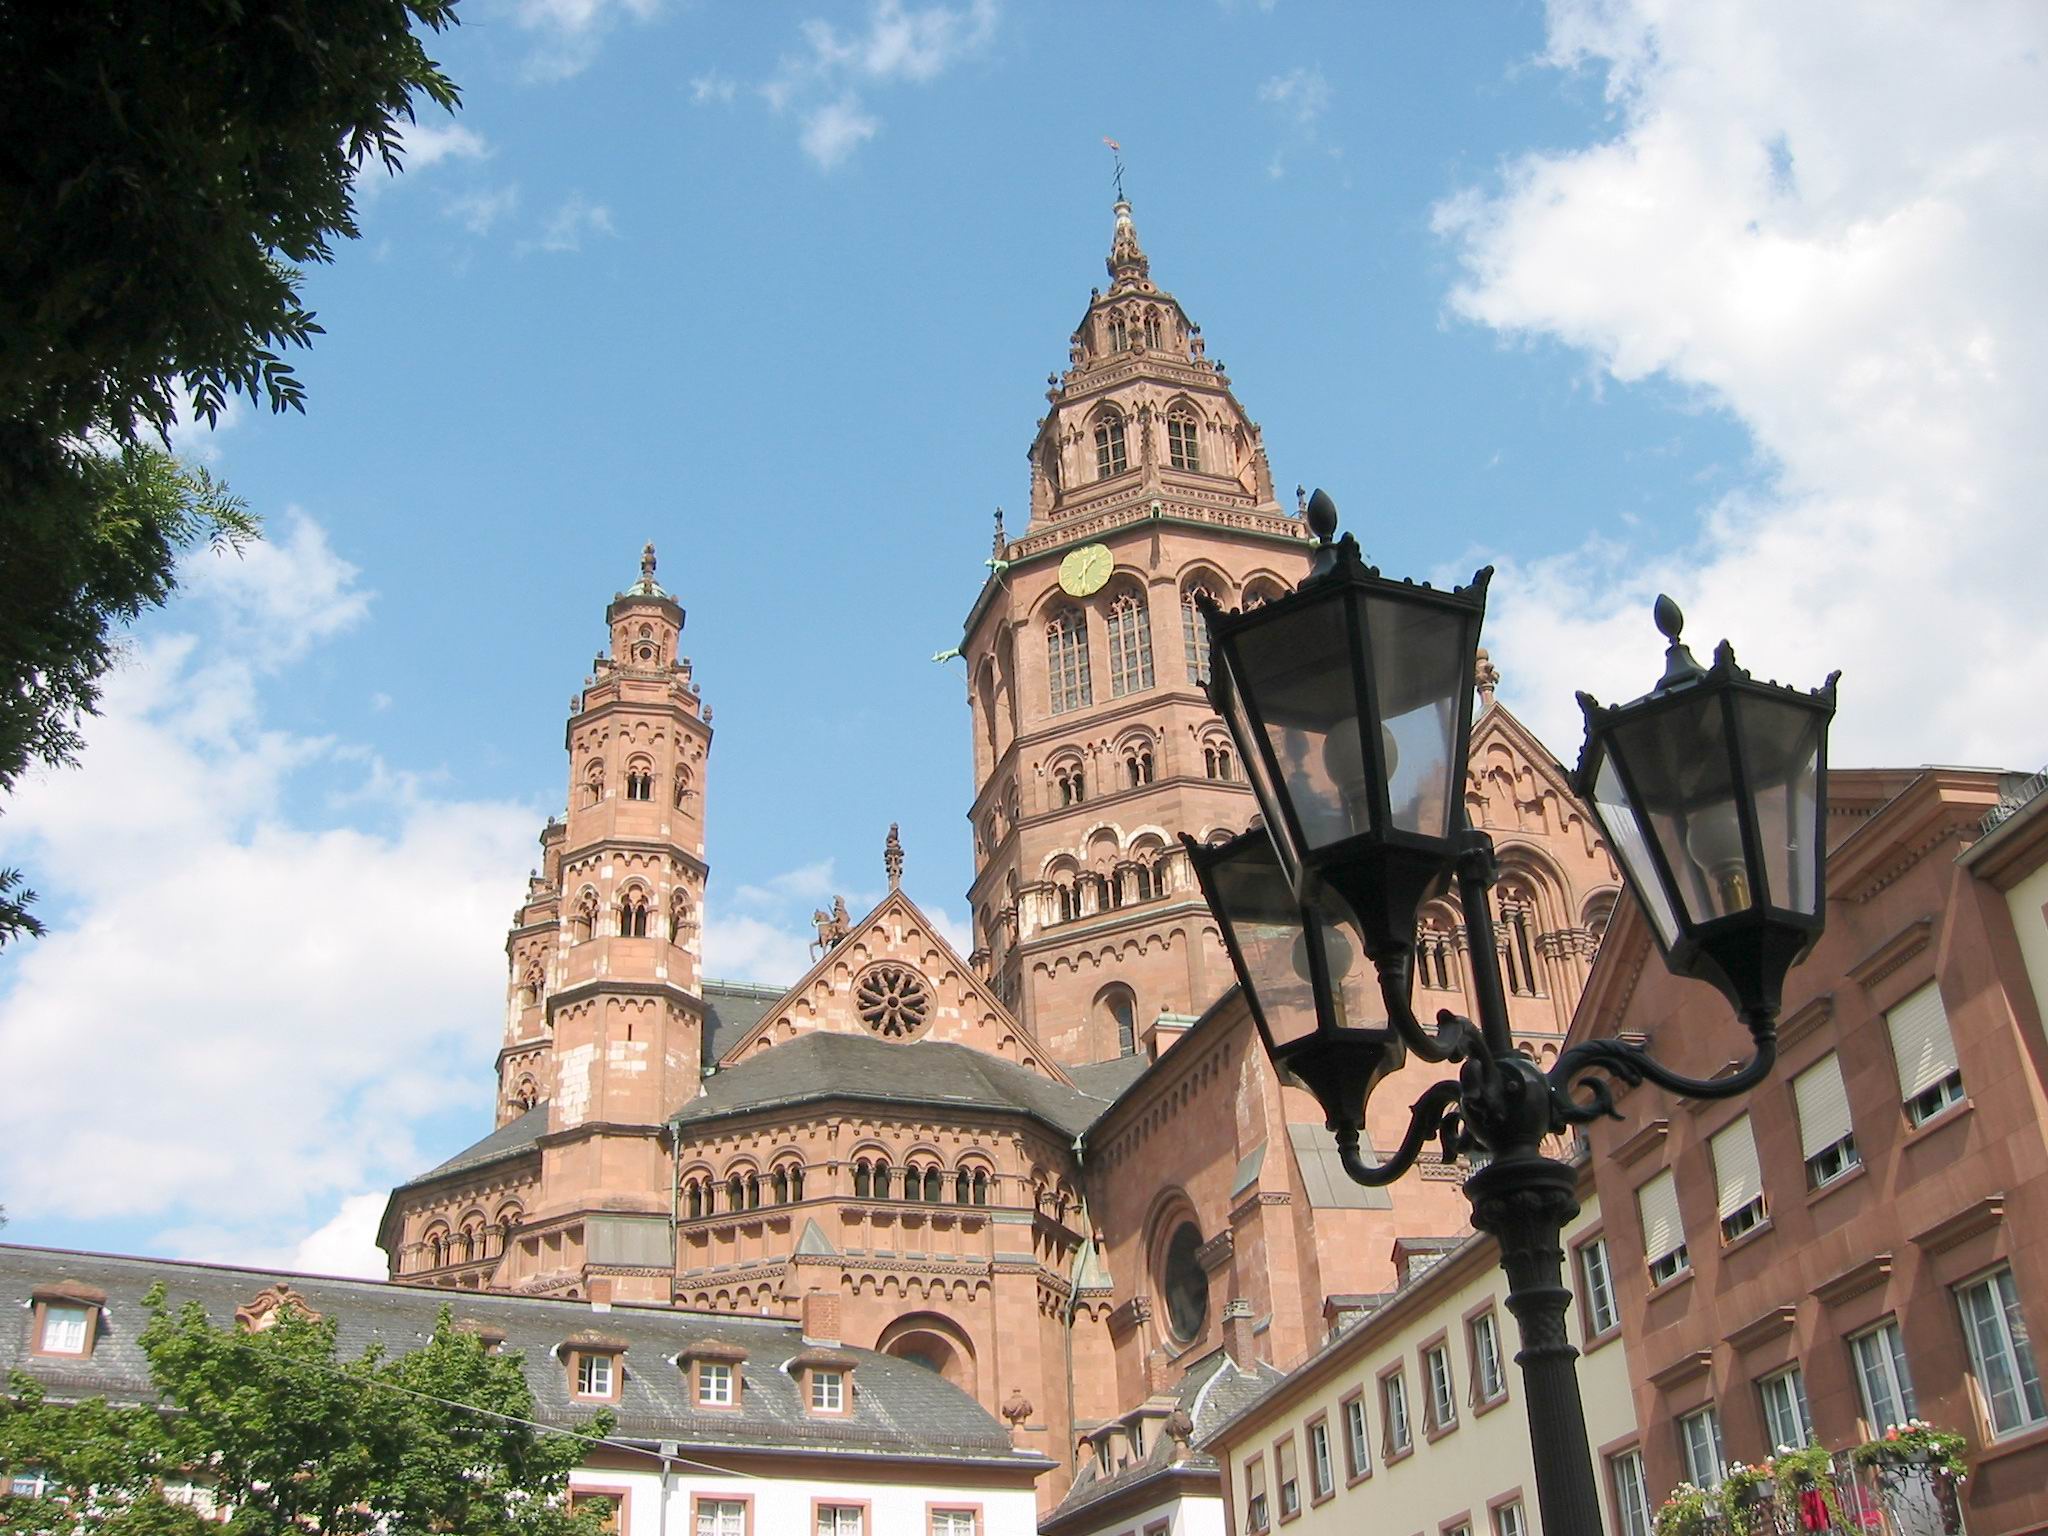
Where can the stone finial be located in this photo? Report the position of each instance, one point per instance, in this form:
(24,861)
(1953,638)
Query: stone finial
(1127,262)
(647,563)
(1001,540)
(1486,678)
(1300,502)
(1180,1427)
(892,858)
(1017,1407)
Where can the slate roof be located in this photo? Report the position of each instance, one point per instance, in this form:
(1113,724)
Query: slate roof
(823,1065)
(1214,1389)
(508,1140)
(731,1008)
(899,1409)
(1108,1079)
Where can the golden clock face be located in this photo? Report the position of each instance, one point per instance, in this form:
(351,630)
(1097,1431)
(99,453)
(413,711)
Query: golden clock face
(1085,570)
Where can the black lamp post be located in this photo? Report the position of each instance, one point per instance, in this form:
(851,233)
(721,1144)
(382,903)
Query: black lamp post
(1350,703)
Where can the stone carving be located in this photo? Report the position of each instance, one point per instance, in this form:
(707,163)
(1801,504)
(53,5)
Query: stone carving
(262,1310)
(1017,1407)
(892,858)
(832,926)
(892,1001)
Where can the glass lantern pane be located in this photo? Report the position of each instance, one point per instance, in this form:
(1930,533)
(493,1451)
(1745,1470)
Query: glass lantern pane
(1781,743)
(1258,908)
(1298,670)
(1354,981)
(1230,700)
(1682,765)
(1627,840)
(1420,656)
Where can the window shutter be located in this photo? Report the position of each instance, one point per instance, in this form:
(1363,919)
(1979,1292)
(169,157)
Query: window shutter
(1823,1106)
(1737,1178)
(1921,1042)
(1663,1232)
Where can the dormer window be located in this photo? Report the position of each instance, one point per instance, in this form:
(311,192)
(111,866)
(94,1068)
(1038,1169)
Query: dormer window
(597,1367)
(715,1375)
(714,1384)
(67,1318)
(828,1391)
(824,1379)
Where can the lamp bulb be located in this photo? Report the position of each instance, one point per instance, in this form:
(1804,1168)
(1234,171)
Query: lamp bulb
(1715,843)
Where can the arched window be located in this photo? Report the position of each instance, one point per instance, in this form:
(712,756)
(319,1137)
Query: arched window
(1066,661)
(678,916)
(735,1193)
(1130,645)
(796,1181)
(781,1185)
(531,983)
(633,914)
(682,789)
(526,1094)
(1259,593)
(1195,634)
(1182,450)
(696,1200)
(980,1186)
(1152,332)
(963,1187)
(1138,766)
(1185,1283)
(1216,761)
(932,1194)
(593,783)
(639,779)
(1145,881)
(1517,951)
(1111,458)
(913,1186)
(435,1251)
(1436,961)
(753,1191)
(1119,334)
(881,1180)
(1068,783)
(862,1180)
(1069,902)
(583,922)
(1116,1006)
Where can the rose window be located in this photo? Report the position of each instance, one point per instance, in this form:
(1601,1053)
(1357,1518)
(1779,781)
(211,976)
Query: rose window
(892,1001)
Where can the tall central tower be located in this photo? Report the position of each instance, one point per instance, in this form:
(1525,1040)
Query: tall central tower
(1094,745)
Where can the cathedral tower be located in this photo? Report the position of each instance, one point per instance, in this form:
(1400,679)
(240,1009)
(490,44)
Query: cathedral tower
(1094,745)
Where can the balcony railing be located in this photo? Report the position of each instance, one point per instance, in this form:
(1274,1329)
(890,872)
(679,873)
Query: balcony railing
(1893,1499)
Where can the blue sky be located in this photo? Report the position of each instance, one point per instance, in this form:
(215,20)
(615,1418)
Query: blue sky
(1620,296)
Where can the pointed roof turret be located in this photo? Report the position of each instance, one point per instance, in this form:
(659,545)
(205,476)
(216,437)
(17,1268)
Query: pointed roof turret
(1129,267)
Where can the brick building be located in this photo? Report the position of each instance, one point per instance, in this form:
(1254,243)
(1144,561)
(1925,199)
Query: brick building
(1863,1238)
(1057,1169)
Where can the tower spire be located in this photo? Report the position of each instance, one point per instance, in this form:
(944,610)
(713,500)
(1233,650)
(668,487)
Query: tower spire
(1128,265)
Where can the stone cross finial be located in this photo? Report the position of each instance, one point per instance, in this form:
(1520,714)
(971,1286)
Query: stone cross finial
(892,858)
(647,563)
(1486,678)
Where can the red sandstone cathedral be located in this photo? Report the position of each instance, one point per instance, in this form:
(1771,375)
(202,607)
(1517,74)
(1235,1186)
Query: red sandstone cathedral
(1058,1170)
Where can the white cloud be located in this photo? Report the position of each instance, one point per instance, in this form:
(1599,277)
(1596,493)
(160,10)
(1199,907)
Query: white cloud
(713,88)
(347,1245)
(430,142)
(1833,233)
(897,46)
(568,224)
(482,208)
(571,32)
(242,1010)
(835,130)
(1301,94)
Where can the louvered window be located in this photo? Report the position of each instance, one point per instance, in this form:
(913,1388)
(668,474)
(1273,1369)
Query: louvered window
(1130,646)
(1827,1138)
(1738,1182)
(1663,1232)
(1930,1078)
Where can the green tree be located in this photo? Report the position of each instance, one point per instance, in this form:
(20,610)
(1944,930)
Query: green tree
(291,1438)
(170,168)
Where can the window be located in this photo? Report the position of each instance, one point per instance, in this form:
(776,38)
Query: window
(1631,1493)
(714,1384)
(841,1520)
(1066,665)
(1322,1476)
(1394,1414)
(633,914)
(1930,1079)
(2001,1356)
(610,1501)
(828,1391)
(64,1328)
(1136,1431)
(1182,451)
(1110,458)
(1256,1517)
(955,1522)
(1785,1413)
(1152,329)
(31,1484)
(1185,1283)
(1489,1377)
(1194,632)
(639,782)
(1119,334)
(1443,1396)
(1738,1182)
(1138,766)
(1663,1233)
(1699,1436)
(1882,1377)
(1826,1138)
(1289,1477)
(1600,1313)
(721,1517)
(594,1375)
(1216,761)
(1508,1520)
(1122,1011)
(1130,645)
(1068,784)
(1357,1454)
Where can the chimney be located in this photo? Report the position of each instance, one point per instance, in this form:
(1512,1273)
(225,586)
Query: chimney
(600,1293)
(821,1317)
(1237,1334)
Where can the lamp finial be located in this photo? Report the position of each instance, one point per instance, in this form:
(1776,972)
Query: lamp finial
(1679,664)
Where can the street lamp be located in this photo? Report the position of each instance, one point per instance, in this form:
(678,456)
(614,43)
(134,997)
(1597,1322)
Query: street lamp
(1350,703)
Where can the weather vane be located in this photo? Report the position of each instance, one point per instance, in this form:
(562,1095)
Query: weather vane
(1117,150)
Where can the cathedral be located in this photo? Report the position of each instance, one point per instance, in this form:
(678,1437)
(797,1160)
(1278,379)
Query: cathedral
(1059,1170)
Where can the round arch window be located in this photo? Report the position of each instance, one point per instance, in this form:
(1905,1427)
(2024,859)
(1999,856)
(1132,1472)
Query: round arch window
(1185,1283)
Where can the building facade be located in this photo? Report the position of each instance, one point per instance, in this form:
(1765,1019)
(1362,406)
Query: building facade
(1862,1239)
(1057,1170)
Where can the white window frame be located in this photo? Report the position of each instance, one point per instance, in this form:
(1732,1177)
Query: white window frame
(1509,1519)
(725,1517)
(1443,1386)
(832,1520)
(1394,1409)
(1827,1131)
(1631,1492)
(1999,1345)
(828,1391)
(65,1327)
(715,1383)
(1787,1418)
(1669,1262)
(1738,1179)
(594,1375)
(1601,1314)
(1357,1441)
(1700,1444)
(1322,1467)
(1490,1376)
(1883,1350)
